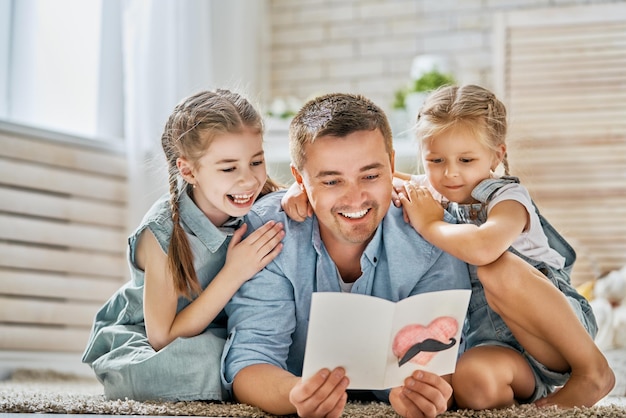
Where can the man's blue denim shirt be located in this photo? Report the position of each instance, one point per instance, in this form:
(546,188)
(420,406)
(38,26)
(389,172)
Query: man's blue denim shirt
(269,315)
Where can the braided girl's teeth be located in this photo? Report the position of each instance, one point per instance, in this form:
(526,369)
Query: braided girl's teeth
(241,198)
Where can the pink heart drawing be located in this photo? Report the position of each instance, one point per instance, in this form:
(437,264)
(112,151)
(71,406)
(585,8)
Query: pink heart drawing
(441,329)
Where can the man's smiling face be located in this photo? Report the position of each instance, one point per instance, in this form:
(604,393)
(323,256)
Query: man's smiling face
(348,181)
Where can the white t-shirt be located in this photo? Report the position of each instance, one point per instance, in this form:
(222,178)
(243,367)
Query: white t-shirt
(532,243)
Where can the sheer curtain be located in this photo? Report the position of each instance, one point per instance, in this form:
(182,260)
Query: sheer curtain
(60,67)
(5,46)
(172,49)
(162,64)
(103,71)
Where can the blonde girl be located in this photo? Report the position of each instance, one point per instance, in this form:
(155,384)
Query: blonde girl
(160,336)
(529,330)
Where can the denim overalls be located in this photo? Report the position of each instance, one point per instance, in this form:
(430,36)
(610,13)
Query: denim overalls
(486,327)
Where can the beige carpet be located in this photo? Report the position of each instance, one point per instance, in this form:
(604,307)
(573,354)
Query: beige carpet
(54,393)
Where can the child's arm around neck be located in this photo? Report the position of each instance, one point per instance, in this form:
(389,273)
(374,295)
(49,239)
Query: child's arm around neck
(477,245)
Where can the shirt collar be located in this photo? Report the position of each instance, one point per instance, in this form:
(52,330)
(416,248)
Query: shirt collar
(196,222)
(371,252)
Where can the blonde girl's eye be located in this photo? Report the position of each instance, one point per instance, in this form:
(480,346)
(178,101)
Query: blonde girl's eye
(257,163)
(228,170)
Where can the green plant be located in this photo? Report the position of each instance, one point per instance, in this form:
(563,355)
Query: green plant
(398,98)
(283,108)
(431,80)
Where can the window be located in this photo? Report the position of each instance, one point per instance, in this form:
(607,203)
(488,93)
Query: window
(62,66)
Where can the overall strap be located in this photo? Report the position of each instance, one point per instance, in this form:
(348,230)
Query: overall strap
(486,188)
(557,242)
(476,213)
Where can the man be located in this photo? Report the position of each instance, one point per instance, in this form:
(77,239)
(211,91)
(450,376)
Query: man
(356,241)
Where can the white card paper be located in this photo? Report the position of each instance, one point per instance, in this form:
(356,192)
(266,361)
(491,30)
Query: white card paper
(379,342)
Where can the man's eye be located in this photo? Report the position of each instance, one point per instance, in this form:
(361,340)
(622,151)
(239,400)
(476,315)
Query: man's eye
(331,182)
(372,177)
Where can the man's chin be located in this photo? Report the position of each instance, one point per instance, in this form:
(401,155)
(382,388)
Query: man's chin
(358,234)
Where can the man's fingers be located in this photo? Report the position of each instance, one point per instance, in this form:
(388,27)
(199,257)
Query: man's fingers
(337,410)
(334,380)
(307,388)
(324,394)
(429,392)
(410,407)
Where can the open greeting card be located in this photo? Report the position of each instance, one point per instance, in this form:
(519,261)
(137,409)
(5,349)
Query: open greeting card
(380,343)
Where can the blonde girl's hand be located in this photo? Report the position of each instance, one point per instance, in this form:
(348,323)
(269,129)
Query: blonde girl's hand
(398,187)
(420,207)
(295,203)
(248,256)
(399,180)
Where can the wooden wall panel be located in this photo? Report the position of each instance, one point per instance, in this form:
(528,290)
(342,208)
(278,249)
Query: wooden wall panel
(561,75)
(62,240)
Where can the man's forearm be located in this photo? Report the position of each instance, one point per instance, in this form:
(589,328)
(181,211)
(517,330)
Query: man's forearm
(267,387)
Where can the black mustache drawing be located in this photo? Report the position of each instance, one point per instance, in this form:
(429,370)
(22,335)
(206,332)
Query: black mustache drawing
(429,345)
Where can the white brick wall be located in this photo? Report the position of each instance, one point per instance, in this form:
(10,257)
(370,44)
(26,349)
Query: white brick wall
(366,46)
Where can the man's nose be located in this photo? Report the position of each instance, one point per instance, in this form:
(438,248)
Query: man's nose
(355,193)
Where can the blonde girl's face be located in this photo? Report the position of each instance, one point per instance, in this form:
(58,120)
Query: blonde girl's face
(229,177)
(455,162)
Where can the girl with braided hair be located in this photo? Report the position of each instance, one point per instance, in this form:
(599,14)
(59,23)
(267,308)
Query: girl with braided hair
(161,335)
(530,332)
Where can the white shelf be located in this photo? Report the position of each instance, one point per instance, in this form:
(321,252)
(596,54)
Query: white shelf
(276,147)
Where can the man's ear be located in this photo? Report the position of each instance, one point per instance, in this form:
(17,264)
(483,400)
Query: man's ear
(184,168)
(297,176)
(392,160)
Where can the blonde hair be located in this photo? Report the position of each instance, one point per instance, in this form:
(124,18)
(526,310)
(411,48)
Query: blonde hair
(337,115)
(189,131)
(470,107)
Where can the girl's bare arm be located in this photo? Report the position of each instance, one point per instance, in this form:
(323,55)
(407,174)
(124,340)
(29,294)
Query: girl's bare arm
(244,259)
(477,245)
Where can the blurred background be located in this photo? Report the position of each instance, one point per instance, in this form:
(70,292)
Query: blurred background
(87,85)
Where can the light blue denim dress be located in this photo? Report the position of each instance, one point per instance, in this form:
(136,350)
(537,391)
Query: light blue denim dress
(118,350)
(486,327)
